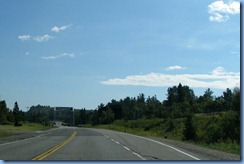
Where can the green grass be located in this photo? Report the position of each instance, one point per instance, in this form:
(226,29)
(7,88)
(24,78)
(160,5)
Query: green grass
(173,129)
(229,147)
(6,130)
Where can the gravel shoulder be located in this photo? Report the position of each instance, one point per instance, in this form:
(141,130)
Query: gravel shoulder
(208,153)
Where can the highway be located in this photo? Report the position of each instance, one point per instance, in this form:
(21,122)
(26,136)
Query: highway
(73,143)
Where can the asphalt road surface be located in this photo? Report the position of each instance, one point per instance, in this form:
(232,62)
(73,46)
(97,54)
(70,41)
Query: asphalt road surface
(72,143)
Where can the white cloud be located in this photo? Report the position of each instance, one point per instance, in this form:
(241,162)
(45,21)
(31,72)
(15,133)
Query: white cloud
(43,38)
(24,37)
(216,17)
(220,11)
(218,78)
(175,67)
(71,55)
(219,71)
(57,29)
(232,7)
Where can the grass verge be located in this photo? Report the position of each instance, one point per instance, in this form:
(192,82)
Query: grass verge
(228,147)
(7,130)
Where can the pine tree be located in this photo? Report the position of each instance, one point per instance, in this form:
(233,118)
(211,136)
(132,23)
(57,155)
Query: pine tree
(189,132)
(16,114)
(3,112)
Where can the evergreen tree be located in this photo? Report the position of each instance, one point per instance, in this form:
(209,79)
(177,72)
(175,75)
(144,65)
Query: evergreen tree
(16,114)
(3,112)
(227,96)
(208,95)
(189,132)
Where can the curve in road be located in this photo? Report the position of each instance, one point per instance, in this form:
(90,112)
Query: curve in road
(70,143)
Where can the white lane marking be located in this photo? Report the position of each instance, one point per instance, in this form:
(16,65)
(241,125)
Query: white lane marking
(160,143)
(22,140)
(139,156)
(134,153)
(126,148)
(111,139)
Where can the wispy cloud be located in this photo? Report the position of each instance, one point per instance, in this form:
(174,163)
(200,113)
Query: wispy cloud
(71,55)
(57,29)
(218,78)
(175,67)
(43,38)
(24,37)
(220,11)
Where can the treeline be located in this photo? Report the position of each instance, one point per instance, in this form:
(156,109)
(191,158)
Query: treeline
(181,102)
(8,116)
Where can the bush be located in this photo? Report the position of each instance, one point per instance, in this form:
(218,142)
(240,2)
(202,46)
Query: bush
(17,124)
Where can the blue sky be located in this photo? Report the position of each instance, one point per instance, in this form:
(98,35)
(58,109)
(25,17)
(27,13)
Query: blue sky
(83,53)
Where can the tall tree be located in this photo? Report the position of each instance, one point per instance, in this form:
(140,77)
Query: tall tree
(208,95)
(207,100)
(227,96)
(180,101)
(16,114)
(3,112)
(172,96)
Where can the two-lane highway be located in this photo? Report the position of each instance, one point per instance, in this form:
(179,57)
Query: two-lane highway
(92,145)
(29,148)
(70,143)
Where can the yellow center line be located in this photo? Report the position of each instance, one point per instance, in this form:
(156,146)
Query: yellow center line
(55,148)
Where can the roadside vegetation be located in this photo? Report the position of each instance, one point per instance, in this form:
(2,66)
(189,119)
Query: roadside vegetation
(16,120)
(205,120)
(7,130)
(173,129)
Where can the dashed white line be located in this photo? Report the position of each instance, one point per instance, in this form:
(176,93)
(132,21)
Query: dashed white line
(126,148)
(139,156)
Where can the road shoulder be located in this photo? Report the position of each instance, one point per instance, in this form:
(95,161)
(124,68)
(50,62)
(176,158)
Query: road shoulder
(209,153)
